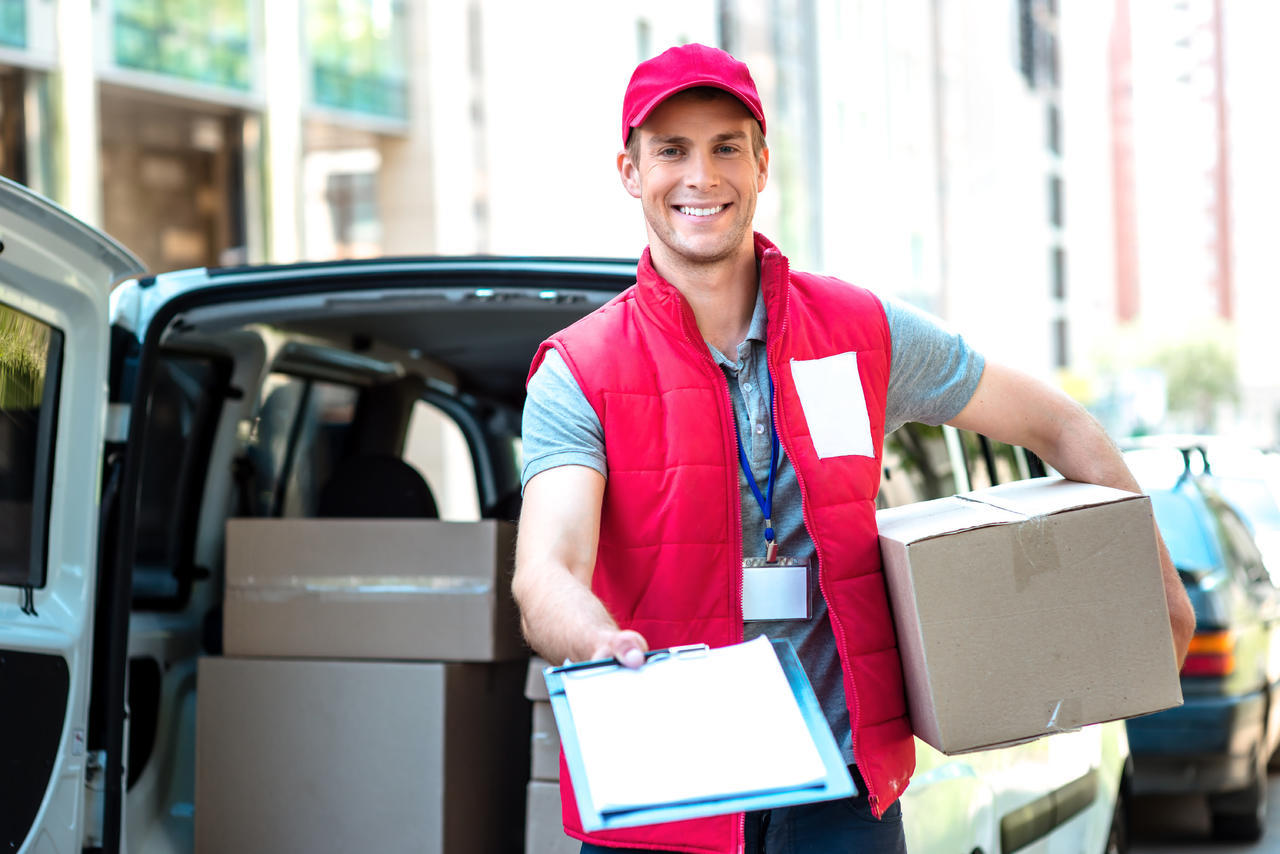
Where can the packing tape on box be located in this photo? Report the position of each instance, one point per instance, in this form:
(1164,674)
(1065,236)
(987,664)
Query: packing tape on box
(1042,552)
(1065,715)
(343,587)
(1036,552)
(1039,552)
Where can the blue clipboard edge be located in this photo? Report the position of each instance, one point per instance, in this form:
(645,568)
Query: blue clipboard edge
(838,783)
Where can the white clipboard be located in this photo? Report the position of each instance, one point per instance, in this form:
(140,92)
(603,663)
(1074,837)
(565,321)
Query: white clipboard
(694,732)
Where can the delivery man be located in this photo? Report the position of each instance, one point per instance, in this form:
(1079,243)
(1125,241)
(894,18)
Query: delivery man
(727,409)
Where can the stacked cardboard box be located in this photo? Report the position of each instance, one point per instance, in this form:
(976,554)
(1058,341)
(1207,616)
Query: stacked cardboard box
(405,589)
(371,698)
(544,829)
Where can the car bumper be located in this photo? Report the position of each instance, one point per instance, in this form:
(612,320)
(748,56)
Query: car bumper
(1207,745)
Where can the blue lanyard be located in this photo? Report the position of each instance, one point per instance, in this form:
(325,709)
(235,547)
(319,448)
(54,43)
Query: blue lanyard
(764,500)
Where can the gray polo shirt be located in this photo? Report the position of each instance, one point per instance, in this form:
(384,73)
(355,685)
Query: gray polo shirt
(932,375)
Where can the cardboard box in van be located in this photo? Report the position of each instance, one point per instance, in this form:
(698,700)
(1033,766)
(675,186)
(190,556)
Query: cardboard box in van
(544,833)
(343,756)
(1027,609)
(415,589)
(544,748)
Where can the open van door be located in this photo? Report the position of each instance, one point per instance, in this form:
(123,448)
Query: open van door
(55,277)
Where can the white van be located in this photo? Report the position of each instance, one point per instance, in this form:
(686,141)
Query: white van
(138,414)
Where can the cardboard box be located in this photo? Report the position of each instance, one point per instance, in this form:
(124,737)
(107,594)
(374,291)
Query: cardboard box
(544,762)
(413,589)
(544,832)
(342,756)
(535,684)
(1027,609)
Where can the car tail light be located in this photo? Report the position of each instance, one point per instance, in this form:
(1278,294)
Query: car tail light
(1211,654)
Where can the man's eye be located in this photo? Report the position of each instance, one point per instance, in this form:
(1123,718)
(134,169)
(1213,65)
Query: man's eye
(727,149)
(668,152)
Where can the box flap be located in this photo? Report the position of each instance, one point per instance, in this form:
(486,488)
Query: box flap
(923,520)
(1044,495)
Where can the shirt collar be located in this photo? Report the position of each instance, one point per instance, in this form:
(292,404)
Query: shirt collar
(759,320)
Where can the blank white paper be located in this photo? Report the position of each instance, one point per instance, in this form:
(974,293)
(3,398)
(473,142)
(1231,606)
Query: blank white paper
(693,728)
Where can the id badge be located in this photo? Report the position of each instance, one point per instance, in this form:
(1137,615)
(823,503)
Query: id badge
(777,590)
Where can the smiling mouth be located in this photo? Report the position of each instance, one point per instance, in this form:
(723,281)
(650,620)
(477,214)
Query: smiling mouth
(689,211)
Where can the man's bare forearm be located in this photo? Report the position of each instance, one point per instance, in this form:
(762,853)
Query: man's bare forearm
(555,558)
(561,618)
(1011,407)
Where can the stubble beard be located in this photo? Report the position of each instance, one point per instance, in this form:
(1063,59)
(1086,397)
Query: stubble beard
(685,253)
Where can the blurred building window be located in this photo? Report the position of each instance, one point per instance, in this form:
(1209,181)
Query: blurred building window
(1054,129)
(354,201)
(1058,272)
(357,53)
(1026,42)
(13,23)
(1055,201)
(1061,353)
(206,42)
(1037,43)
(340,207)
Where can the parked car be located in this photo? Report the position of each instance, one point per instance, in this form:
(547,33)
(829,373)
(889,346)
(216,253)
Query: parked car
(1247,477)
(141,412)
(1065,792)
(1219,741)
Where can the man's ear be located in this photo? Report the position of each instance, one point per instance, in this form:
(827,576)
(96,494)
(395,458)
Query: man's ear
(762,170)
(629,173)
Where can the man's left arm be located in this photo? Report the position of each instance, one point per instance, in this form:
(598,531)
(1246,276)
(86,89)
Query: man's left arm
(1017,409)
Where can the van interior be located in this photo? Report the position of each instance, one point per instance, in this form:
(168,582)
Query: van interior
(361,397)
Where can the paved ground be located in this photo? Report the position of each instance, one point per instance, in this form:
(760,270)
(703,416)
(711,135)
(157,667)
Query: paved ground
(1181,826)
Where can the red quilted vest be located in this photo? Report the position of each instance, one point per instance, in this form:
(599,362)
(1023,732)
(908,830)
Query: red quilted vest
(671,505)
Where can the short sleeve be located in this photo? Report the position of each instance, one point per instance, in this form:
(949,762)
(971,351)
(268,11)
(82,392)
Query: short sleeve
(559,426)
(933,373)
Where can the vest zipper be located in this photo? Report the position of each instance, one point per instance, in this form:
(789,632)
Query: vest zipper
(735,523)
(836,626)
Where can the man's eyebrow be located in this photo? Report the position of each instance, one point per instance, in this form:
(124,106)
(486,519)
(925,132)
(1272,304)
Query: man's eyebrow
(673,139)
(669,140)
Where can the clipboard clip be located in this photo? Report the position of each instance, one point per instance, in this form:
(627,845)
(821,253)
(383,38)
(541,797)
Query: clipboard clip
(688,650)
(673,653)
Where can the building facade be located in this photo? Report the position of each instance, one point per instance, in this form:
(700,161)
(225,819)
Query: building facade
(916,144)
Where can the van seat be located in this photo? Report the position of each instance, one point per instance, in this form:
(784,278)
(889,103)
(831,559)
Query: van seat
(376,486)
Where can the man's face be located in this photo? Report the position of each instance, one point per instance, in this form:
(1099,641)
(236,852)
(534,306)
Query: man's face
(697,178)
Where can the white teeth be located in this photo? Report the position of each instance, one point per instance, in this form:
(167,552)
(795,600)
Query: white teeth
(701,211)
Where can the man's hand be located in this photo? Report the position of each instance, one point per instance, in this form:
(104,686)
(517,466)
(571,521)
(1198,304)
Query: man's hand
(555,558)
(1017,409)
(626,646)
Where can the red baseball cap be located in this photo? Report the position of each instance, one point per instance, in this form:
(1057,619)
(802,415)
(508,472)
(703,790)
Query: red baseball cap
(685,67)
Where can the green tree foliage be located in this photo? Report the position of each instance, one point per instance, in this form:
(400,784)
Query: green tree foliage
(1201,375)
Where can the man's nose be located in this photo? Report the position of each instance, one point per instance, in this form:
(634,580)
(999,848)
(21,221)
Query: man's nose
(703,171)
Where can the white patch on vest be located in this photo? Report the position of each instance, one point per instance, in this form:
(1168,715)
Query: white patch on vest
(831,395)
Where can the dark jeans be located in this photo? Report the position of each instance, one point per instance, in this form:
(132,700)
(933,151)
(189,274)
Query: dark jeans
(827,827)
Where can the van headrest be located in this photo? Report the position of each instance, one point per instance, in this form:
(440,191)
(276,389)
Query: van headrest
(377,486)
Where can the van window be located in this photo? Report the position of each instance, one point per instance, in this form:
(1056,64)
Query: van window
(30,370)
(301,432)
(186,403)
(1240,547)
(917,466)
(436,447)
(989,462)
